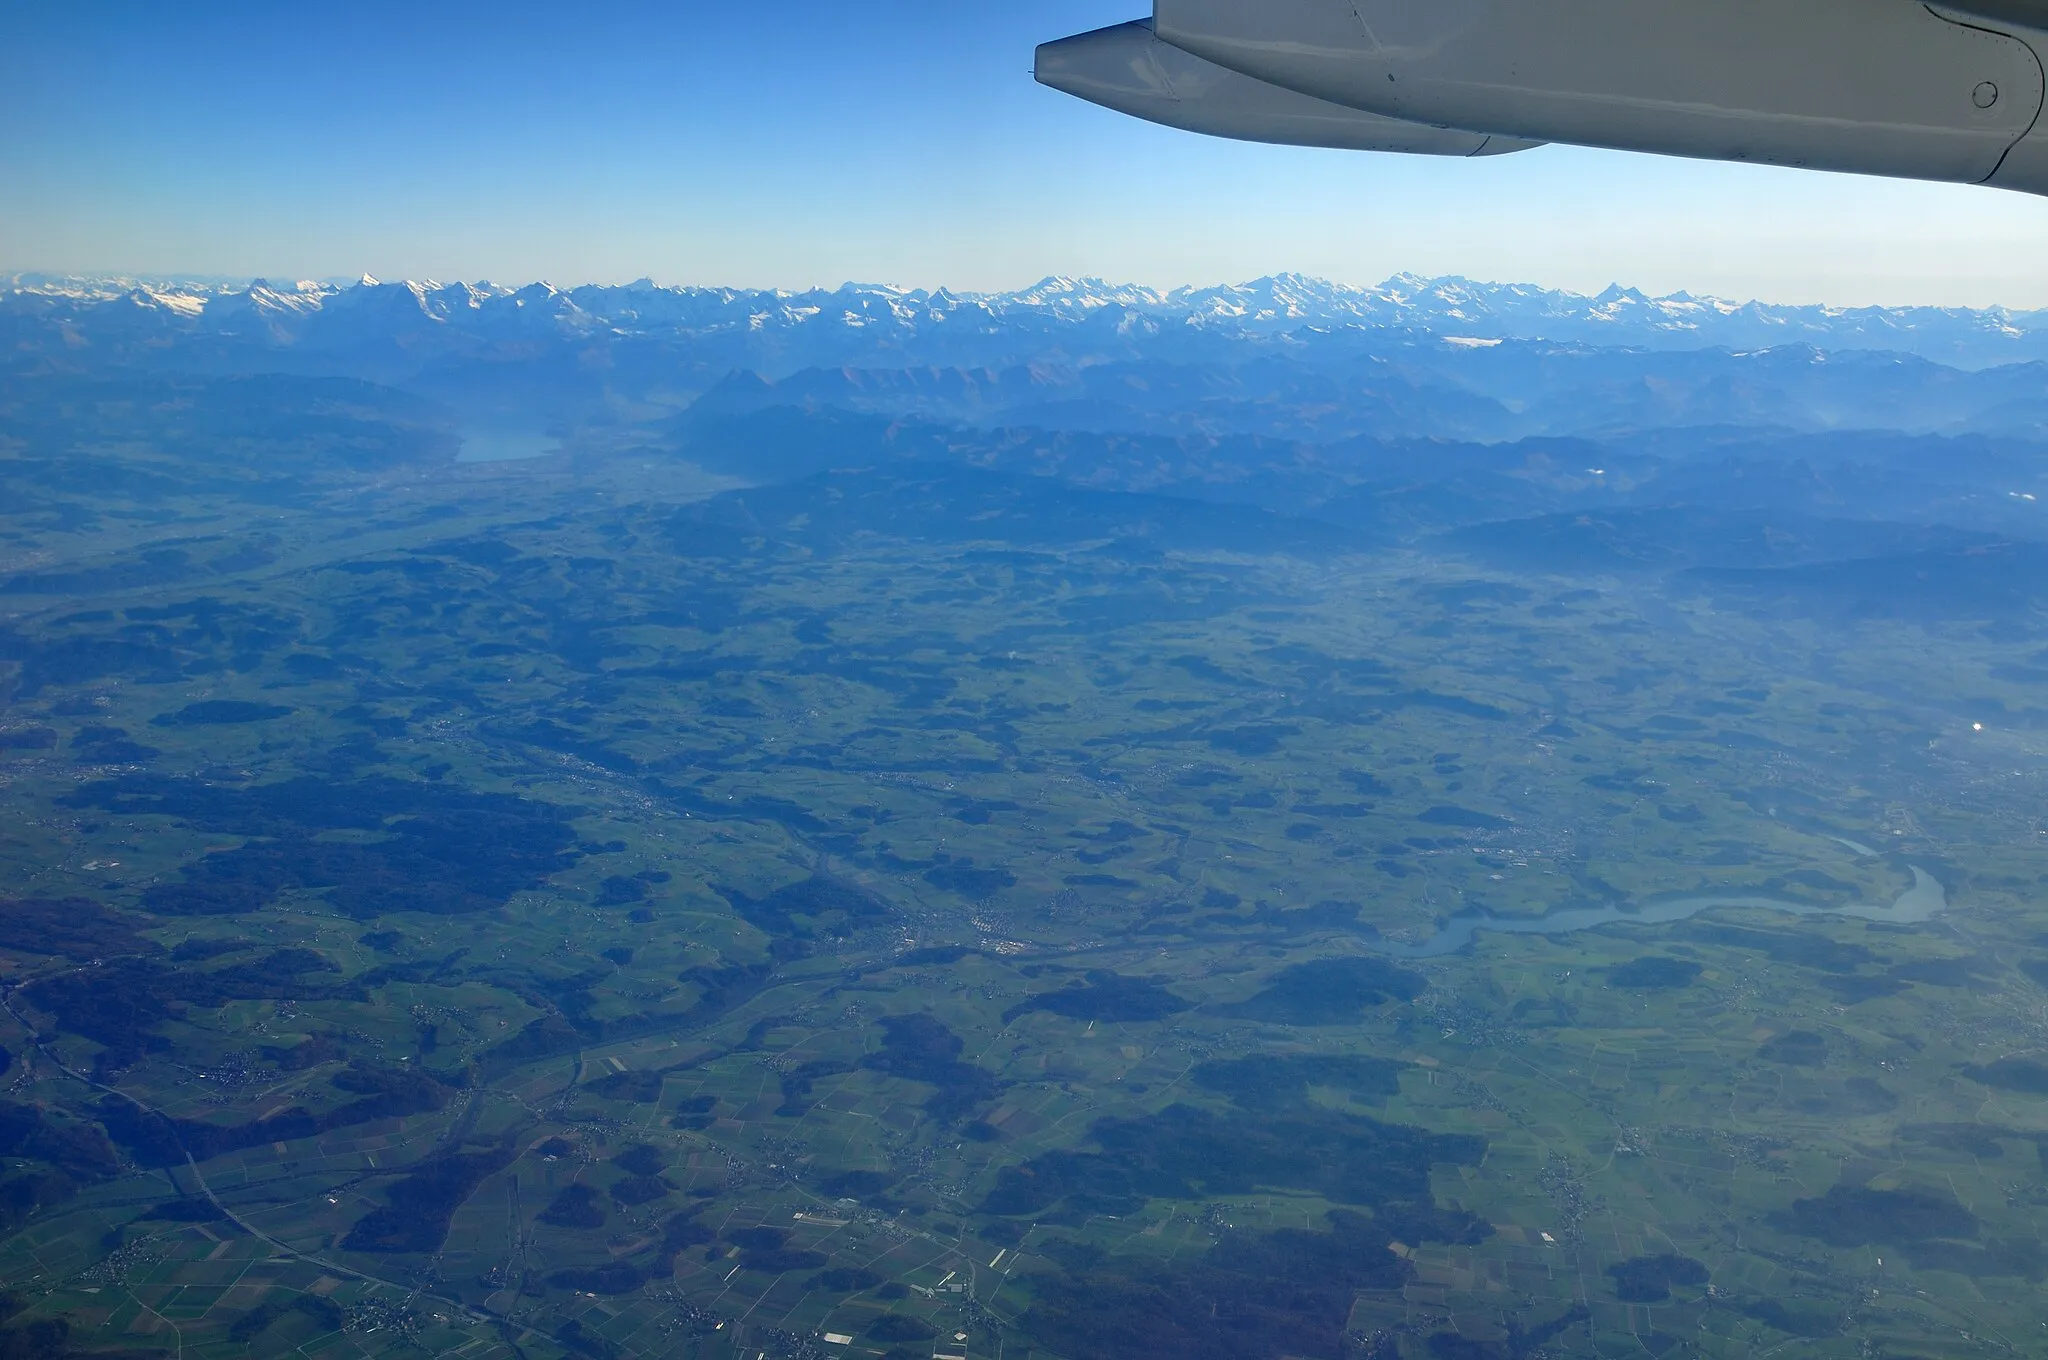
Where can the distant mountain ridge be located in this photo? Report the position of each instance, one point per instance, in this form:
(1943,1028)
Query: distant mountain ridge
(301,313)
(1864,463)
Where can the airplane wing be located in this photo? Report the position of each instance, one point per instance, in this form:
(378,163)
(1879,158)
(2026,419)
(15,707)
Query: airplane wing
(1878,87)
(1127,68)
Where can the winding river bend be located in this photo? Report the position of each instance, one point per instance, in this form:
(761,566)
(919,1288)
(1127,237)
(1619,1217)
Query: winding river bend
(1925,900)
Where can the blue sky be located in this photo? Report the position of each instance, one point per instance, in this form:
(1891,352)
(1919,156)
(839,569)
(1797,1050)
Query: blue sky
(796,142)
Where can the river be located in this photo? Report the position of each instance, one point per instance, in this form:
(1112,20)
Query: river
(1925,900)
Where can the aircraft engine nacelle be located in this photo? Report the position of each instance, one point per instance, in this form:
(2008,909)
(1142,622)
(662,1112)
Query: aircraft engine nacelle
(1128,69)
(1886,87)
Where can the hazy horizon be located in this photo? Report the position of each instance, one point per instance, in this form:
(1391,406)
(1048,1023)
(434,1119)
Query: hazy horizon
(33,277)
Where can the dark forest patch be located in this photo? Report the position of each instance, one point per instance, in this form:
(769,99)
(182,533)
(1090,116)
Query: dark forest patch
(574,1206)
(1328,992)
(818,905)
(981,811)
(641,1159)
(443,866)
(2025,1075)
(634,1191)
(1188,1153)
(1856,1216)
(420,1207)
(920,1048)
(1653,973)
(1649,1279)
(73,927)
(856,1184)
(768,1250)
(220,713)
(438,848)
(1105,996)
(640,1087)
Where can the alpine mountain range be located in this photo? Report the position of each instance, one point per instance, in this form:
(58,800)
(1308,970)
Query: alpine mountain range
(1082,312)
